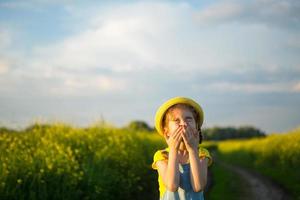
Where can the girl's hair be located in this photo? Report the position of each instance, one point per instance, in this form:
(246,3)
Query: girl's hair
(167,116)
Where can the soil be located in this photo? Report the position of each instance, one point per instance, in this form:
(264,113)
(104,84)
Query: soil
(258,186)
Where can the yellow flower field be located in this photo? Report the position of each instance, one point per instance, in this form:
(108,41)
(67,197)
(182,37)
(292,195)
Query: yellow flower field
(103,162)
(276,156)
(61,162)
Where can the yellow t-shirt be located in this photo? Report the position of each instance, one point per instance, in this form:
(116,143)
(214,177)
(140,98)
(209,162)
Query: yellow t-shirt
(163,155)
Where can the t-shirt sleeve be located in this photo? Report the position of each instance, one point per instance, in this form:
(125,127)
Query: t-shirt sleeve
(204,153)
(159,155)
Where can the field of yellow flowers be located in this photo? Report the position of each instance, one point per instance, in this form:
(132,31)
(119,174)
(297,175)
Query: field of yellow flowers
(276,156)
(59,161)
(62,162)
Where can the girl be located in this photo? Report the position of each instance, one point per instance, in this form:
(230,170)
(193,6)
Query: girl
(182,167)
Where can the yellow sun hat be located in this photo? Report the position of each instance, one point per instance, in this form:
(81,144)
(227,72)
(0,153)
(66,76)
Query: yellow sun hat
(176,100)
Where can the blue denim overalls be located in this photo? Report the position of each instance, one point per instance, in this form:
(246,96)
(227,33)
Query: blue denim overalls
(185,190)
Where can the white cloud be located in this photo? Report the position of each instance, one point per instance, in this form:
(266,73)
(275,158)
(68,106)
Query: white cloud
(89,85)
(119,42)
(126,39)
(128,55)
(31,4)
(294,42)
(134,37)
(254,87)
(5,39)
(268,12)
(296,87)
(219,12)
(4,66)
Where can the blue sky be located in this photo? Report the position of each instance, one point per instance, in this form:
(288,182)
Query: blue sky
(82,61)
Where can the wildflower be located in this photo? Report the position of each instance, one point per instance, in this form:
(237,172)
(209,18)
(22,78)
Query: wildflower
(50,166)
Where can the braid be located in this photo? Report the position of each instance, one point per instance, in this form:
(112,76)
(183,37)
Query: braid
(200,136)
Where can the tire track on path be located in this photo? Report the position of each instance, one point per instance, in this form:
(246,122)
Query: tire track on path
(259,187)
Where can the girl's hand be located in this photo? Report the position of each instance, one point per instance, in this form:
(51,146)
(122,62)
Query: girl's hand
(191,138)
(174,139)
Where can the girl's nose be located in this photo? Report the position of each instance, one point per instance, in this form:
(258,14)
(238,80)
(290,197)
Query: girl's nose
(183,123)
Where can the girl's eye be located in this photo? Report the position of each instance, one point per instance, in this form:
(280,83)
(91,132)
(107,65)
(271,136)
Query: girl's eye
(189,120)
(177,121)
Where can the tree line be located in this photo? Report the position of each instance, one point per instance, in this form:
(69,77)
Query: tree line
(214,133)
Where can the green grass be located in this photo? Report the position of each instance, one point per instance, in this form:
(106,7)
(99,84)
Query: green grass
(226,185)
(276,156)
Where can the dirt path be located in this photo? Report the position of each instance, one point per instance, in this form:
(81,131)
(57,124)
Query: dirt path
(259,187)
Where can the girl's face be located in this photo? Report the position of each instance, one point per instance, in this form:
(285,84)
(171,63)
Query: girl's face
(179,116)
